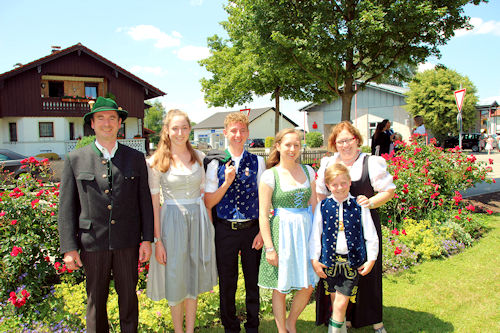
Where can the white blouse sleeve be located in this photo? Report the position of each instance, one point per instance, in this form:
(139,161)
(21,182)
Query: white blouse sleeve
(320,181)
(316,231)
(268,178)
(370,234)
(261,169)
(312,173)
(201,156)
(153,177)
(211,179)
(380,178)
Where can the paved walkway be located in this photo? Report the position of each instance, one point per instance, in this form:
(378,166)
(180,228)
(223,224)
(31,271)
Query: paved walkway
(495,174)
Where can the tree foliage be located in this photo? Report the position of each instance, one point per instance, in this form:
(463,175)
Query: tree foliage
(153,119)
(431,96)
(335,43)
(314,139)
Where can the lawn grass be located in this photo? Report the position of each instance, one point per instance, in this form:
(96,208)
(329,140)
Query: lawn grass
(457,294)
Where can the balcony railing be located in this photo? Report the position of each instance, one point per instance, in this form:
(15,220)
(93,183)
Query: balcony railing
(138,144)
(58,104)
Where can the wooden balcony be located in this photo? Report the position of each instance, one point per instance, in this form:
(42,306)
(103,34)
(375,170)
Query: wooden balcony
(59,104)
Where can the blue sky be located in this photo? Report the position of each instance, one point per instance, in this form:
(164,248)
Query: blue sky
(161,40)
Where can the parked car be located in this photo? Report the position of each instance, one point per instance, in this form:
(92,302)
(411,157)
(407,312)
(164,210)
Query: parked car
(11,161)
(256,143)
(469,141)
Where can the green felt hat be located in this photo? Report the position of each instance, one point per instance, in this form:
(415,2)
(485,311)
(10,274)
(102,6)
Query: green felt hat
(105,104)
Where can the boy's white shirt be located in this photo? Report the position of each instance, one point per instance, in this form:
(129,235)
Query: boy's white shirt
(212,181)
(369,232)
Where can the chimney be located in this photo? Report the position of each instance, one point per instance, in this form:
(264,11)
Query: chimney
(55,48)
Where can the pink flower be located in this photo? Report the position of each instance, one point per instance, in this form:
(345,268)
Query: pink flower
(2,213)
(34,202)
(490,160)
(457,217)
(395,231)
(403,232)
(489,211)
(471,208)
(13,222)
(397,251)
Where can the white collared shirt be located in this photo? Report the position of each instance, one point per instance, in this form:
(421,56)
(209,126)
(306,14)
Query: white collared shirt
(369,232)
(105,153)
(212,180)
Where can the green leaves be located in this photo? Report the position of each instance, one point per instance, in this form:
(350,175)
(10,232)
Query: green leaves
(431,96)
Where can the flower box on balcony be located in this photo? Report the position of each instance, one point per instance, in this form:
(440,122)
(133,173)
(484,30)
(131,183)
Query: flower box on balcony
(76,100)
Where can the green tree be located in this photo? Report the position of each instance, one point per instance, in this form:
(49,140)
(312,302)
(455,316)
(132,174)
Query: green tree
(314,139)
(431,96)
(239,72)
(153,119)
(336,43)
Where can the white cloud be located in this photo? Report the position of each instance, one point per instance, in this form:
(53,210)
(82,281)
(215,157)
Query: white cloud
(157,70)
(192,53)
(480,28)
(163,40)
(176,34)
(425,66)
(196,2)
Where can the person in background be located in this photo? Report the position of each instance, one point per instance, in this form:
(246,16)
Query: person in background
(184,236)
(343,243)
(106,217)
(419,126)
(381,141)
(232,187)
(372,185)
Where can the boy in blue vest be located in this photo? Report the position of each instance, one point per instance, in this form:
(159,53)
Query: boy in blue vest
(231,186)
(343,243)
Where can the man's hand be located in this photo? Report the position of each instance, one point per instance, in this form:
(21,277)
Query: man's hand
(258,242)
(145,251)
(229,173)
(72,260)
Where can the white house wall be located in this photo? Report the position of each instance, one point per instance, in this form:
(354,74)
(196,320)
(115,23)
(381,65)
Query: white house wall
(29,143)
(263,126)
(373,105)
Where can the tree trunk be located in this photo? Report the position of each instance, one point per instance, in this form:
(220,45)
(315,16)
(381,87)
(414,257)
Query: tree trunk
(347,95)
(277,110)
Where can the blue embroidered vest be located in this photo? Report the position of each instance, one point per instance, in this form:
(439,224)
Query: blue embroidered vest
(241,199)
(353,230)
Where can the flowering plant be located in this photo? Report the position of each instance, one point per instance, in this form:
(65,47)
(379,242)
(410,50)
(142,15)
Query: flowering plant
(29,237)
(429,178)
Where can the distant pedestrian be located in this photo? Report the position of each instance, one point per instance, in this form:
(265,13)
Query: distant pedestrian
(489,144)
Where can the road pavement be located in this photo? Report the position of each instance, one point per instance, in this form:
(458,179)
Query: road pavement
(483,188)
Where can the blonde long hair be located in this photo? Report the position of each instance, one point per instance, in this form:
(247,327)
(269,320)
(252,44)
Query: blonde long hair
(162,158)
(274,156)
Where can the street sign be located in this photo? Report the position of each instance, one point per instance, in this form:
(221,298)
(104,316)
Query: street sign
(247,111)
(459,98)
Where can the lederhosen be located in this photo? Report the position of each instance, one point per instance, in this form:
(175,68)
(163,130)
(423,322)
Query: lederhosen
(368,307)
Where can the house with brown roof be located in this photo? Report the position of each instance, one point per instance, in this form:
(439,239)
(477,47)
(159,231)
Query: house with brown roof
(42,103)
(261,126)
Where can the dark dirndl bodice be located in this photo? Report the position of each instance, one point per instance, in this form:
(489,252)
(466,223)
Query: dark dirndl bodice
(368,307)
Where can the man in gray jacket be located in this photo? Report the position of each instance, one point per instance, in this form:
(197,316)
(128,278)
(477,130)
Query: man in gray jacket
(106,217)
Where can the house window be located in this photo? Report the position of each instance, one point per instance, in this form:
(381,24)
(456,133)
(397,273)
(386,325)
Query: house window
(91,90)
(56,88)
(372,127)
(46,130)
(71,131)
(13,132)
